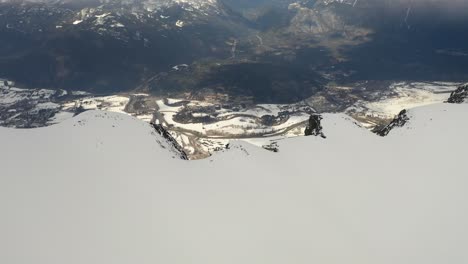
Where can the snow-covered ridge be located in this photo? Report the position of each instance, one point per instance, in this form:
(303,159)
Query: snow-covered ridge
(154,4)
(113,17)
(204,127)
(124,20)
(349,2)
(97,130)
(196,4)
(159,5)
(104,185)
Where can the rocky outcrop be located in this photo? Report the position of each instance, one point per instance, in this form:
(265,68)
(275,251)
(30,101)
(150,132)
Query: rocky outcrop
(459,96)
(314,128)
(171,140)
(273,147)
(399,121)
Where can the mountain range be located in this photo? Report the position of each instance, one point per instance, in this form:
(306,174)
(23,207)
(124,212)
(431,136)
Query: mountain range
(273,51)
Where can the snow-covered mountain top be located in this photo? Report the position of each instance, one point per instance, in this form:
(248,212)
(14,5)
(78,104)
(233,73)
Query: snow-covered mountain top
(100,189)
(327,2)
(90,134)
(426,123)
(152,5)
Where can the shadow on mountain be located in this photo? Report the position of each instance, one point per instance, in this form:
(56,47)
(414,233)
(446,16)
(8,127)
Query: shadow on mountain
(265,82)
(435,53)
(271,78)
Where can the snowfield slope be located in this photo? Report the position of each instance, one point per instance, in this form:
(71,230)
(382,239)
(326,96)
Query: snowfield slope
(100,188)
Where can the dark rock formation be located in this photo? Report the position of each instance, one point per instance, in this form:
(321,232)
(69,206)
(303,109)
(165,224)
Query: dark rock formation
(171,140)
(314,128)
(459,96)
(399,121)
(273,147)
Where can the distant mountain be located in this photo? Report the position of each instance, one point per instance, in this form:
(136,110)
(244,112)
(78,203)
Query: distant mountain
(111,45)
(270,52)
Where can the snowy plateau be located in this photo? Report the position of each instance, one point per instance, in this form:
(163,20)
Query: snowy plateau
(103,187)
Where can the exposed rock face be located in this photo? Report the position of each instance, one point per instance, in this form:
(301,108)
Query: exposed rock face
(171,140)
(273,147)
(314,128)
(459,96)
(399,121)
